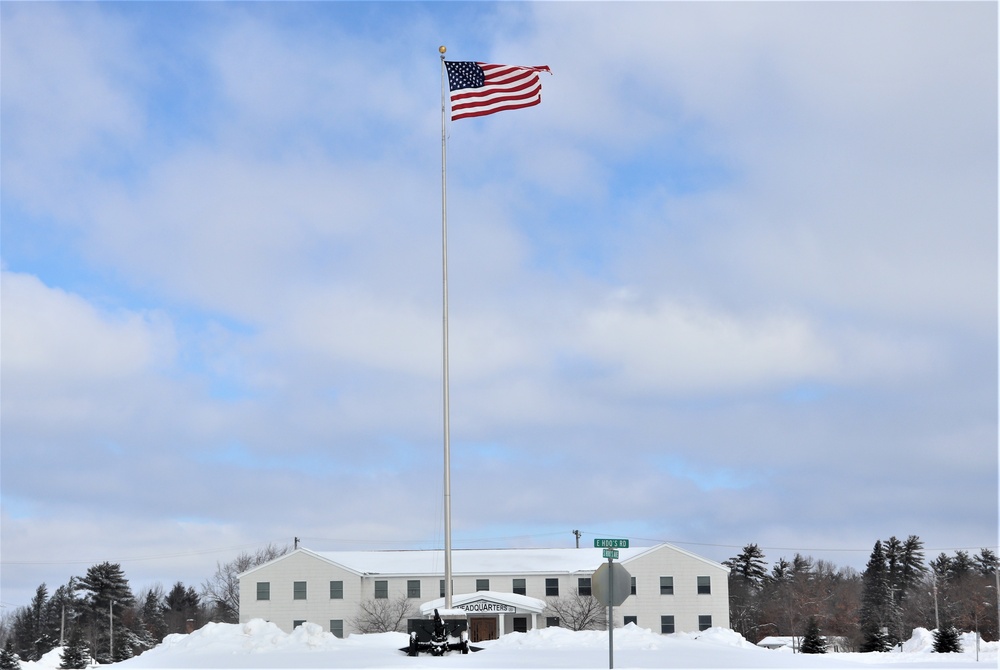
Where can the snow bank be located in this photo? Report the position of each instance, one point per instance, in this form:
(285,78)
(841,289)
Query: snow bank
(255,638)
(259,644)
(53,659)
(630,637)
(922,642)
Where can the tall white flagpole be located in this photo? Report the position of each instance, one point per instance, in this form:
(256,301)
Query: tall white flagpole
(444,267)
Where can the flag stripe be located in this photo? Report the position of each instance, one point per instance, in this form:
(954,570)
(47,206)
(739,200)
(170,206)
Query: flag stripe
(483,94)
(466,103)
(484,111)
(503,87)
(484,91)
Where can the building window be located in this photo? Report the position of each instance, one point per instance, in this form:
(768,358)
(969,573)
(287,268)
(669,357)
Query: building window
(337,627)
(412,588)
(552,586)
(337,590)
(583,586)
(442,589)
(482,585)
(520,624)
(298,622)
(667,624)
(520,587)
(632,592)
(704,586)
(298,590)
(666,586)
(263,590)
(381,588)
(704,621)
(631,619)
(551,622)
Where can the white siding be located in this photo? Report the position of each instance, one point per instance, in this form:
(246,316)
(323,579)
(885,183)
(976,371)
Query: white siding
(647,566)
(283,609)
(686,605)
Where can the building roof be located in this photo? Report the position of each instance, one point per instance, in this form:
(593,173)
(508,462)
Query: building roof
(479,561)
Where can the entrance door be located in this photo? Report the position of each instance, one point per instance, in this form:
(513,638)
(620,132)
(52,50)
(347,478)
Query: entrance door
(482,628)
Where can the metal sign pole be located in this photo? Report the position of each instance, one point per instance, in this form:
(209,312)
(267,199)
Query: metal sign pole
(611,619)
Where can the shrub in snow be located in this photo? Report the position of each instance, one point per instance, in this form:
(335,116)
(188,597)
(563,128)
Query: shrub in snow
(947,641)
(75,655)
(8,659)
(812,641)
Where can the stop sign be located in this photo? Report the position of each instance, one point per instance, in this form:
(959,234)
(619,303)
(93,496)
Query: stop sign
(611,582)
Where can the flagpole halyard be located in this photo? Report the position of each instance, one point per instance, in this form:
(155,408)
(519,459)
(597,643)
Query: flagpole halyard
(445,390)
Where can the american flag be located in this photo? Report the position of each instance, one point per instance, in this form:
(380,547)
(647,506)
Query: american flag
(478,89)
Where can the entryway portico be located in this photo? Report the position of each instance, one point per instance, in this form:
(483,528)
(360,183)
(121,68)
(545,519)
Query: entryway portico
(491,614)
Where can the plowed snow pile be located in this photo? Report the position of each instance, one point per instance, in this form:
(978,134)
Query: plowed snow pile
(259,644)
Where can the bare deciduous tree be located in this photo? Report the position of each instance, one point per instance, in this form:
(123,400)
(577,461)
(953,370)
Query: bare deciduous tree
(222,591)
(577,612)
(382,615)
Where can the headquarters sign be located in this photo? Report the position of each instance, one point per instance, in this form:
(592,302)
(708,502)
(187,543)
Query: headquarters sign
(487,607)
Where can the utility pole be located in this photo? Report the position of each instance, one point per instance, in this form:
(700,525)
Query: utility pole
(578,534)
(937,622)
(62,622)
(296,543)
(111,625)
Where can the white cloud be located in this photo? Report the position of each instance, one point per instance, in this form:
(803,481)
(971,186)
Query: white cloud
(56,337)
(66,99)
(683,349)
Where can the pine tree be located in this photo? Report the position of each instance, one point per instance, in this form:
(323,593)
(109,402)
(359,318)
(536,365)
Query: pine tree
(876,603)
(40,642)
(746,579)
(109,595)
(8,659)
(812,641)
(125,645)
(181,606)
(749,565)
(986,562)
(75,655)
(152,617)
(947,640)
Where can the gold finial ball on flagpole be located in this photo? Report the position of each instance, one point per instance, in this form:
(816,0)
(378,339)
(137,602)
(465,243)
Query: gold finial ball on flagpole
(442,48)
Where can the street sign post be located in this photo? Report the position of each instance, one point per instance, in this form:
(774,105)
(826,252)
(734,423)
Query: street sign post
(611,584)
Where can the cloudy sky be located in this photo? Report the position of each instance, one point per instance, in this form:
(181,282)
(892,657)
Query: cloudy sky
(733,281)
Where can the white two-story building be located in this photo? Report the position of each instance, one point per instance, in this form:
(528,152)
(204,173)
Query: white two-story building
(503,590)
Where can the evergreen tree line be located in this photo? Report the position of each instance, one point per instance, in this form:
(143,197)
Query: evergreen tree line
(97,617)
(869,611)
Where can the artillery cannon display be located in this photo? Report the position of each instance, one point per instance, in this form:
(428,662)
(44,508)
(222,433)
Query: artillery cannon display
(439,635)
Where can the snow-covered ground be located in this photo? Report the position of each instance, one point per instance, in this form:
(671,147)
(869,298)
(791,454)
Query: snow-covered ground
(259,644)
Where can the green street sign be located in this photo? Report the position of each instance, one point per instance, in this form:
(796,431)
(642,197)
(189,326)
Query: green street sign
(611,553)
(610,544)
